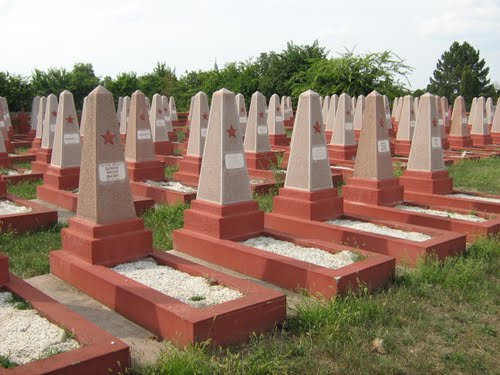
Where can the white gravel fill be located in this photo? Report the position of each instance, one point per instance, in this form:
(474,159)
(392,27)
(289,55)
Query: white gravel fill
(380,229)
(342,167)
(9,208)
(25,336)
(171,185)
(452,215)
(177,284)
(307,254)
(474,197)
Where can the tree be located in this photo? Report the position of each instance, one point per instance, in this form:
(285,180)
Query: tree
(354,75)
(460,71)
(82,80)
(17,90)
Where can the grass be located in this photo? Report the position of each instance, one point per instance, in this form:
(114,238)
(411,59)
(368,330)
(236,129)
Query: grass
(170,170)
(477,175)
(25,189)
(438,318)
(19,303)
(180,136)
(6,363)
(22,165)
(21,149)
(162,220)
(29,252)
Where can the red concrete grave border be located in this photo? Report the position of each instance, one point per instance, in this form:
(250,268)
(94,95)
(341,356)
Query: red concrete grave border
(15,179)
(160,195)
(454,203)
(443,243)
(471,229)
(374,271)
(260,309)
(69,200)
(100,352)
(38,217)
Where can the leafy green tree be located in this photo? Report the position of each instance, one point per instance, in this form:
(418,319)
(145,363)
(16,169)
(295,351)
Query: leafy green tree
(82,80)
(161,81)
(17,90)
(123,85)
(461,62)
(355,75)
(53,81)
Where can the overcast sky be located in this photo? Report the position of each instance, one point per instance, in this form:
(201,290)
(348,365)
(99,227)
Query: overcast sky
(117,36)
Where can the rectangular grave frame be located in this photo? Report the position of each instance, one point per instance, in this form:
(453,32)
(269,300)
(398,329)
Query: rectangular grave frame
(260,309)
(374,271)
(99,350)
(448,202)
(405,252)
(471,229)
(38,217)
(160,195)
(68,200)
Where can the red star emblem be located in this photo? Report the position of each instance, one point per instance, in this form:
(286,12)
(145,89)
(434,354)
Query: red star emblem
(381,121)
(231,132)
(142,117)
(108,137)
(278,109)
(69,119)
(317,128)
(434,122)
(165,109)
(54,113)
(159,111)
(412,112)
(261,114)
(347,112)
(242,110)
(205,116)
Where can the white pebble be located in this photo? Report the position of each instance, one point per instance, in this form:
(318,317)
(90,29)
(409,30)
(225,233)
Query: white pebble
(475,197)
(307,254)
(452,215)
(196,291)
(380,229)
(25,336)
(9,208)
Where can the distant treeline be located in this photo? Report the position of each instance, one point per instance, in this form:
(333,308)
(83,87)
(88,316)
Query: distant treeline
(290,72)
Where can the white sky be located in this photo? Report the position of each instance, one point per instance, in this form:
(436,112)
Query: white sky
(121,35)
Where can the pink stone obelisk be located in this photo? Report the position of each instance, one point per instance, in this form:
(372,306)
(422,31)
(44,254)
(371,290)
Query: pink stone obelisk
(139,148)
(63,173)
(330,118)
(343,144)
(308,192)
(480,131)
(459,136)
(190,165)
(173,109)
(84,115)
(277,136)
(495,127)
(242,113)
(168,120)
(325,109)
(406,127)
(159,133)
(426,172)
(258,152)
(105,230)
(44,154)
(224,207)
(373,181)
(35,106)
(124,117)
(358,116)
(37,142)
